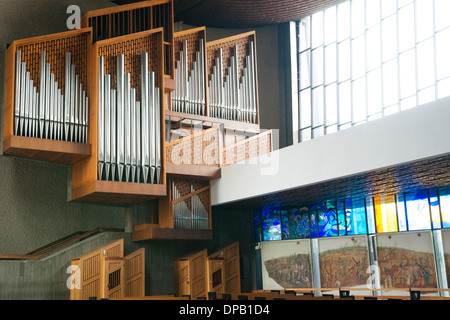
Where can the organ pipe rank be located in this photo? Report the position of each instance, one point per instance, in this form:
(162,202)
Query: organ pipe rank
(50,113)
(129,147)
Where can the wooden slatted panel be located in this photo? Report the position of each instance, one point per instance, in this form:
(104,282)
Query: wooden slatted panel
(231,266)
(135,274)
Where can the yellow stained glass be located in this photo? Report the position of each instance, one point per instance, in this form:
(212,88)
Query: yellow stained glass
(385,213)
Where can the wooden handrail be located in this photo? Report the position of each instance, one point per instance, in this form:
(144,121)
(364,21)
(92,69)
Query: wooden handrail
(33,256)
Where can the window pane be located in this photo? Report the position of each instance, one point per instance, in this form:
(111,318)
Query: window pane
(401,213)
(298,223)
(427,95)
(370,214)
(373,48)
(305,69)
(443,88)
(425,63)
(444,201)
(424,22)
(330,63)
(356,214)
(402,3)
(345,103)
(406,28)
(313,220)
(271,224)
(442,13)
(385,213)
(407,73)
(318,106)
(344,60)
(408,103)
(343,20)
(434,207)
(317,29)
(359,100)
(390,83)
(374,91)
(305,34)
(358,57)
(330,25)
(305,135)
(341,218)
(305,108)
(389,38)
(331,104)
(327,219)
(372,12)
(358,23)
(388,7)
(285,235)
(443,53)
(317,66)
(417,210)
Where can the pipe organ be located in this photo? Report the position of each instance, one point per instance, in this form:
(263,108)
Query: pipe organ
(97,99)
(129,130)
(189,95)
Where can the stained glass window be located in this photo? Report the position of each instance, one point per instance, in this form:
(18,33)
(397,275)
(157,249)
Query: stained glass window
(418,210)
(341,218)
(356,215)
(298,223)
(285,231)
(444,201)
(327,219)
(385,213)
(401,213)
(313,220)
(271,223)
(434,209)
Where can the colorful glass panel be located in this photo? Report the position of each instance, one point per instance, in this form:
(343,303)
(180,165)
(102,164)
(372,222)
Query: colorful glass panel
(356,216)
(285,232)
(313,220)
(271,224)
(418,210)
(327,219)
(299,223)
(444,201)
(434,209)
(341,218)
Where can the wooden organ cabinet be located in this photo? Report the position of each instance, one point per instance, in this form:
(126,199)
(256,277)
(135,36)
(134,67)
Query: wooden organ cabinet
(198,273)
(105,273)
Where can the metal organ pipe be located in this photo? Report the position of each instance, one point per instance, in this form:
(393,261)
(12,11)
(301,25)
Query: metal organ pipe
(131,127)
(49,113)
(233,96)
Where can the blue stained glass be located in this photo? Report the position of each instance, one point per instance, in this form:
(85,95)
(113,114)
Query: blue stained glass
(418,210)
(327,219)
(444,201)
(341,218)
(313,220)
(356,216)
(285,232)
(271,224)
(298,223)
(257,223)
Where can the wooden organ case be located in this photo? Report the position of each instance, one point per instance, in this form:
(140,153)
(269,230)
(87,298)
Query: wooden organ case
(140,113)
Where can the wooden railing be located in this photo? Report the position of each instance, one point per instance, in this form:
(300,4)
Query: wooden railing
(201,148)
(204,148)
(249,148)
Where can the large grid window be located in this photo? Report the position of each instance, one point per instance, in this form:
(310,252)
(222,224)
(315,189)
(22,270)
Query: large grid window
(365,59)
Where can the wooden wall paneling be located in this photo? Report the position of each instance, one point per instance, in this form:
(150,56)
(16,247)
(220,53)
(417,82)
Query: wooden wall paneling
(133,18)
(85,183)
(78,42)
(135,274)
(230,254)
(190,275)
(90,269)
